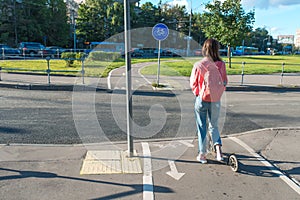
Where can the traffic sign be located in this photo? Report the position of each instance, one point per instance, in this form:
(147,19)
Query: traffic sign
(160,31)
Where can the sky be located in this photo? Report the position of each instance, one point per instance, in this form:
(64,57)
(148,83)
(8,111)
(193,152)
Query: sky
(279,17)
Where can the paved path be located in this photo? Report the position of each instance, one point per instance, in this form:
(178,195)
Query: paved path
(269,169)
(269,160)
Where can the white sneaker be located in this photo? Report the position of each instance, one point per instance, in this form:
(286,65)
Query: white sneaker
(201,158)
(219,157)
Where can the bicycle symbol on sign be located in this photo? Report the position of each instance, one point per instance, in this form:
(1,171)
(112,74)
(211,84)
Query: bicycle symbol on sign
(160,31)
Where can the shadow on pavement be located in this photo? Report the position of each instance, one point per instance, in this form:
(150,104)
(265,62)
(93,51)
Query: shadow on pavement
(11,130)
(136,188)
(251,170)
(151,93)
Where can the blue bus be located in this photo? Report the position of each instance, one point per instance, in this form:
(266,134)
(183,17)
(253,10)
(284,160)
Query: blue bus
(244,50)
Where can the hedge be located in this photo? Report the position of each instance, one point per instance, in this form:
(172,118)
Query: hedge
(70,57)
(103,56)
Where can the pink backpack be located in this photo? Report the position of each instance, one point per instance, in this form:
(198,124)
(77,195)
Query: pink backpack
(213,85)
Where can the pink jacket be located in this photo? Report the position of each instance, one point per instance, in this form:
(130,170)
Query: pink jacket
(196,79)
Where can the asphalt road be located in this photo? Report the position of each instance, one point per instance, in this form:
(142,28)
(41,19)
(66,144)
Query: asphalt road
(62,117)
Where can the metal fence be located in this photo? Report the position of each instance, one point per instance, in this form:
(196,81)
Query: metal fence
(47,71)
(282,72)
(51,72)
(13,53)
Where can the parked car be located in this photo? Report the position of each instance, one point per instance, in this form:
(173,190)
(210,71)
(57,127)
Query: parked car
(198,52)
(167,52)
(31,48)
(57,49)
(297,52)
(48,52)
(8,52)
(136,52)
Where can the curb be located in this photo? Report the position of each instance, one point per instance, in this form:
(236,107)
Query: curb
(261,130)
(51,87)
(154,139)
(70,87)
(262,88)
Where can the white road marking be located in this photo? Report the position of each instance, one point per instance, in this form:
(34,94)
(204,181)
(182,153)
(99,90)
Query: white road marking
(174,172)
(109,77)
(147,177)
(283,177)
(139,71)
(108,80)
(187,143)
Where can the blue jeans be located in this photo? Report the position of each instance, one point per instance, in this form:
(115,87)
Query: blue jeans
(207,112)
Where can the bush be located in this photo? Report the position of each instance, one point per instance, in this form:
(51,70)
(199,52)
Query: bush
(103,56)
(70,57)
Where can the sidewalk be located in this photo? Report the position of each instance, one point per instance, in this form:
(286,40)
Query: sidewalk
(269,158)
(269,165)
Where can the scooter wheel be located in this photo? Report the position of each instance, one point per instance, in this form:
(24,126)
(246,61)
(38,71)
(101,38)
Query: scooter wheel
(233,163)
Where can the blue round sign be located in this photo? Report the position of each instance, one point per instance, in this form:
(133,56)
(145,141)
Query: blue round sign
(160,31)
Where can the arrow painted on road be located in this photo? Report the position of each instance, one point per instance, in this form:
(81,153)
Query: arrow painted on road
(174,173)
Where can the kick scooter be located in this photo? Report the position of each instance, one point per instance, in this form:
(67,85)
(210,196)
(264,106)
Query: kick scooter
(229,159)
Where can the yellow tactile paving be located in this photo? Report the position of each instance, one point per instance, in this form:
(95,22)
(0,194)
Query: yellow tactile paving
(131,165)
(110,162)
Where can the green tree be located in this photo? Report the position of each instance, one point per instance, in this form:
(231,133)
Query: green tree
(227,22)
(257,38)
(176,17)
(99,19)
(55,27)
(197,33)
(33,20)
(9,14)
(147,16)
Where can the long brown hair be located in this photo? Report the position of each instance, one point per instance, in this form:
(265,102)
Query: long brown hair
(211,49)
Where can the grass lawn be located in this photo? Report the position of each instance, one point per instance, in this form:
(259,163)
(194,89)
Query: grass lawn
(169,66)
(253,65)
(92,68)
(39,66)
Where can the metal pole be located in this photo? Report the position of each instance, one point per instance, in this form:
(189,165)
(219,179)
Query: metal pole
(158,64)
(128,76)
(3,54)
(15,24)
(243,65)
(82,69)
(282,72)
(74,29)
(48,69)
(189,38)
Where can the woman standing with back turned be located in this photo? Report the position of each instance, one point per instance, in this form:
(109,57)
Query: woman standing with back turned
(208,81)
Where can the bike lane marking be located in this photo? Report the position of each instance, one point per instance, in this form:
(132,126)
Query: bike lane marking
(110,75)
(283,177)
(147,177)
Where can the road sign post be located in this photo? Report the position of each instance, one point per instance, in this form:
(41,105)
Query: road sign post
(128,73)
(160,32)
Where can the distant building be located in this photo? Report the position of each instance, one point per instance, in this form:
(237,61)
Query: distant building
(286,39)
(297,41)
